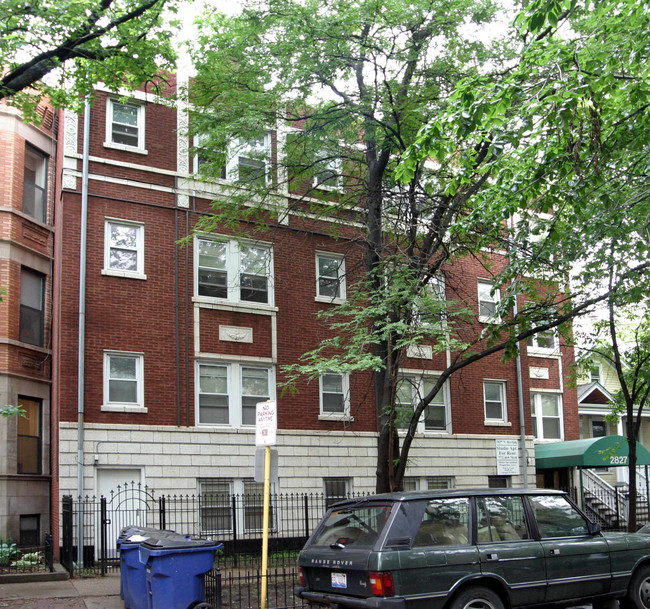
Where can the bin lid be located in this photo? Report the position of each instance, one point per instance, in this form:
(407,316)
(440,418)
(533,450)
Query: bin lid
(178,542)
(135,534)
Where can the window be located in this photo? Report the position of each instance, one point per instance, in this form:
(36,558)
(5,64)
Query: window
(35,184)
(430,306)
(556,517)
(28,452)
(598,428)
(412,483)
(124,249)
(488,301)
(327,173)
(494,400)
(123,381)
(543,341)
(547,415)
(216,505)
(445,522)
(336,489)
(594,374)
(410,390)
(32,307)
(125,125)
(334,396)
(501,518)
(330,277)
(228,393)
(249,161)
(498,481)
(234,271)
(30,530)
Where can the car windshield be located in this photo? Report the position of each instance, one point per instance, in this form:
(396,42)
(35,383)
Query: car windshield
(359,526)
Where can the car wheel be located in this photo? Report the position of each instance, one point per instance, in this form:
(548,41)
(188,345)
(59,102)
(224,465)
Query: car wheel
(477,597)
(638,592)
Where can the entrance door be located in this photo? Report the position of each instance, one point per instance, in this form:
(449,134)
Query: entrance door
(126,504)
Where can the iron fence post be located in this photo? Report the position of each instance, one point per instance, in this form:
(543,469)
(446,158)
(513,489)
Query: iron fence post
(104,522)
(162,518)
(306,502)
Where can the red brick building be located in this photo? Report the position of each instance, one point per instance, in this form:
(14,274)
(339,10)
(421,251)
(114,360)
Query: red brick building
(183,334)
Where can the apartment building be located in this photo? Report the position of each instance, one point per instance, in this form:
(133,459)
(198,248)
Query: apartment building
(26,276)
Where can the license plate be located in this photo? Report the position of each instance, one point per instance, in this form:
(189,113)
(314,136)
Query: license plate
(339,580)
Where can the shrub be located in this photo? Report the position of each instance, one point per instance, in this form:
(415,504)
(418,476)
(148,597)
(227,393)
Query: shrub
(8,551)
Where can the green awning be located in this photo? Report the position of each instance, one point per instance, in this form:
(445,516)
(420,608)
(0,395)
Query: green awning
(608,451)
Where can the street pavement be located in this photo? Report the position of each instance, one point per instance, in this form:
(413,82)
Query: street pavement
(77,593)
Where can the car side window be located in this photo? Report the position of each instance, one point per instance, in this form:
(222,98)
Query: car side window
(445,522)
(501,519)
(556,517)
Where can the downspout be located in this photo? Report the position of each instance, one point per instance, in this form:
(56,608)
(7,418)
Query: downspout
(82,334)
(520,396)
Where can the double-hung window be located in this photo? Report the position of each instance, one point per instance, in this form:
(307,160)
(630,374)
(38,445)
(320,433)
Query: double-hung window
(595,375)
(547,415)
(429,306)
(334,396)
(410,391)
(228,393)
(123,381)
(32,307)
(28,448)
(336,489)
(125,125)
(543,342)
(330,274)
(124,249)
(35,184)
(249,161)
(234,271)
(488,301)
(327,173)
(494,401)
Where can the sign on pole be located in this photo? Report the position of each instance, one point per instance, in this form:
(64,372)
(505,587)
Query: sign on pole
(266,423)
(507,457)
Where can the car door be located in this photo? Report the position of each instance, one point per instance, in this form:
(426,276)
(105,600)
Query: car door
(577,562)
(507,548)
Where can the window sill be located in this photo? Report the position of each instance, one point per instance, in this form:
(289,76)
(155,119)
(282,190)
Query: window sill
(335,417)
(328,300)
(489,320)
(125,148)
(123,274)
(541,352)
(124,408)
(231,305)
(490,423)
(326,188)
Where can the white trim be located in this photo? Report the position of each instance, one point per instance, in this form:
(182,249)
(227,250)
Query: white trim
(340,278)
(492,299)
(139,405)
(234,383)
(345,390)
(419,377)
(139,249)
(539,417)
(140,126)
(503,419)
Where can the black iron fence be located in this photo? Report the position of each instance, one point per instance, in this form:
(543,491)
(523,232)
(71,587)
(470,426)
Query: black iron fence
(233,520)
(33,559)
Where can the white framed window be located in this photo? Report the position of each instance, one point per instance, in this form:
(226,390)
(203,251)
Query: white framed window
(330,277)
(327,173)
(125,125)
(334,396)
(544,342)
(546,409)
(124,249)
(249,161)
(494,401)
(233,271)
(428,310)
(595,373)
(227,394)
(414,483)
(35,184)
(123,381)
(488,301)
(216,505)
(410,390)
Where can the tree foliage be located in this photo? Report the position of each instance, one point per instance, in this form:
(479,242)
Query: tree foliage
(356,81)
(61,49)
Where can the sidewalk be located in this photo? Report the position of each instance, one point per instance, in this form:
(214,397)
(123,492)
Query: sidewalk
(78,593)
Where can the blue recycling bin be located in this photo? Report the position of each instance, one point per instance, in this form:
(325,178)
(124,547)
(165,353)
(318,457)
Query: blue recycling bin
(133,579)
(175,570)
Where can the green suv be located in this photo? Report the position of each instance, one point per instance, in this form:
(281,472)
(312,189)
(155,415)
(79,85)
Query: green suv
(478,549)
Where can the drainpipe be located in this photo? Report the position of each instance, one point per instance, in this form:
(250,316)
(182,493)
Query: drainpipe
(82,334)
(520,396)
